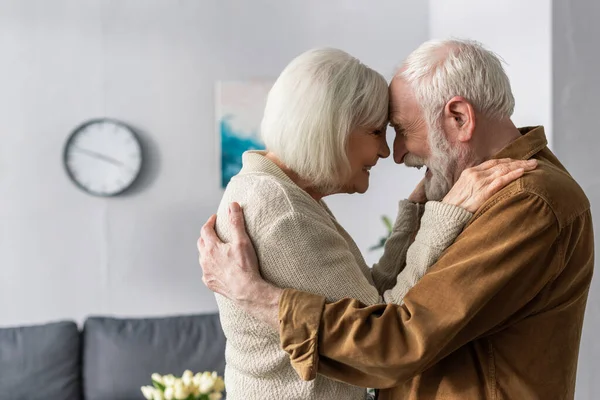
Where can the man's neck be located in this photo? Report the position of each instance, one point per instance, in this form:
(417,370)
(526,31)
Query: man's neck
(498,135)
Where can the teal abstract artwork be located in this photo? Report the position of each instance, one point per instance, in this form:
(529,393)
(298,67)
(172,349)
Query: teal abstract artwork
(240,106)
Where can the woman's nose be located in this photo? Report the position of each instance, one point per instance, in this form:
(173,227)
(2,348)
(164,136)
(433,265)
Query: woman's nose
(384,149)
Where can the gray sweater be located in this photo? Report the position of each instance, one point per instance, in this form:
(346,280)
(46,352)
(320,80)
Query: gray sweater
(300,245)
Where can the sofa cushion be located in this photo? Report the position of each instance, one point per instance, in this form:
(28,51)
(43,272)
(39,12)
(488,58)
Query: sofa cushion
(119,355)
(40,362)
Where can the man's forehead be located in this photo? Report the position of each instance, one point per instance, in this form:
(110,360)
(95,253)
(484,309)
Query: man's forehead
(402,101)
(395,113)
(399,89)
(395,117)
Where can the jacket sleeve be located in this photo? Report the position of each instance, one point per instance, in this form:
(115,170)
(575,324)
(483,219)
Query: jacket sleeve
(496,266)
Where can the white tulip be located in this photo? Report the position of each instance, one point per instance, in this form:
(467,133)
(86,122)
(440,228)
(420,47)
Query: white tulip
(158,395)
(169,394)
(215,396)
(206,383)
(157,378)
(187,378)
(219,385)
(168,380)
(148,392)
(181,392)
(197,379)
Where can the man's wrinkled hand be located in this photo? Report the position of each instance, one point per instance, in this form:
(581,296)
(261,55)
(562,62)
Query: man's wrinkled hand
(478,184)
(229,269)
(232,270)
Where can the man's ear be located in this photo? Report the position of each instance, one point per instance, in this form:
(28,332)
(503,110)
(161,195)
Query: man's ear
(459,118)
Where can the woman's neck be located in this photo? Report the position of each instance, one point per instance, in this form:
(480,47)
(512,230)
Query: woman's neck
(302,184)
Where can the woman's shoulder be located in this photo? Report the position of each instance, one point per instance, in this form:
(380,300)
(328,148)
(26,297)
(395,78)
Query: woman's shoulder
(266,201)
(268,194)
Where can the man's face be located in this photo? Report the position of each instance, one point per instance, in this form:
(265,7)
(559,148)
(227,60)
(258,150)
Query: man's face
(416,146)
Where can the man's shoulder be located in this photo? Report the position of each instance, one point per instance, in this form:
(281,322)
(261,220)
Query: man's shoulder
(551,183)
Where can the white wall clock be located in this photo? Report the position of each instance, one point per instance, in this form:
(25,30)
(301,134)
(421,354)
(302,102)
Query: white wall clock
(103,157)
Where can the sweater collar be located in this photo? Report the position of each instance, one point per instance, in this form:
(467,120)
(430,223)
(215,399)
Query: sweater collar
(255,161)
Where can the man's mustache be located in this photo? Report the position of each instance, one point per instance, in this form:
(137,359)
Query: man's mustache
(411,160)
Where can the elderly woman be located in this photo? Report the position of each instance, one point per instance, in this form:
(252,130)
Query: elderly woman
(324,129)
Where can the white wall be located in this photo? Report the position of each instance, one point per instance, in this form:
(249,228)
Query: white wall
(152,64)
(576,104)
(521,33)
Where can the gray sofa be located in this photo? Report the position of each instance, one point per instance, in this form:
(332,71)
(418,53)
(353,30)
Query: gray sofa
(109,359)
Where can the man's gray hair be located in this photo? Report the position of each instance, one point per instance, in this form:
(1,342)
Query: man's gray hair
(318,99)
(441,69)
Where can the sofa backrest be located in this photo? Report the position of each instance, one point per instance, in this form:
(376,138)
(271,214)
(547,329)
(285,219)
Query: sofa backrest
(40,362)
(119,355)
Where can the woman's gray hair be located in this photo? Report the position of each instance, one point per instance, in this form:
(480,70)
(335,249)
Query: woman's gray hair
(319,98)
(441,69)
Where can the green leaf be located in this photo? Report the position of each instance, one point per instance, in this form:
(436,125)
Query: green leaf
(387,222)
(158,385)
(379,245)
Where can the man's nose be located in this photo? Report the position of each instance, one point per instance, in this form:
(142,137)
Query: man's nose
(399,149)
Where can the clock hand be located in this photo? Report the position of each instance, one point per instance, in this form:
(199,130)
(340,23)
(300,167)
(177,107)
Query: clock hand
(99,156)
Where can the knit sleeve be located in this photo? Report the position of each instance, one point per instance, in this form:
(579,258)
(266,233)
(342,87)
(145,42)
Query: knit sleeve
(393,260)
(440,225)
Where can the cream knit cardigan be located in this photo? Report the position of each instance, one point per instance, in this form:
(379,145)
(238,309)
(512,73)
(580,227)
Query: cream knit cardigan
(300,245)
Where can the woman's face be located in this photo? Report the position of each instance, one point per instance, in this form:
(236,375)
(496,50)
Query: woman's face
(365,147)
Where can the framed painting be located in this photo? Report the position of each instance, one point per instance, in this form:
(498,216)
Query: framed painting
(240,106)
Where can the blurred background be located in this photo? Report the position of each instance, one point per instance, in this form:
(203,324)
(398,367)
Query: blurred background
(154,65)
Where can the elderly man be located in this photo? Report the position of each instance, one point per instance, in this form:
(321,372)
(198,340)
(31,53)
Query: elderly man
(499,316)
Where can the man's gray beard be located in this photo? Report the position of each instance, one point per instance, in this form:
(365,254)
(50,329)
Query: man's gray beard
(436,188)
(443,164)
(441,180)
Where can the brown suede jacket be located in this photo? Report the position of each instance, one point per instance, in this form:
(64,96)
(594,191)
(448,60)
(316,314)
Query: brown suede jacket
(499,316)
